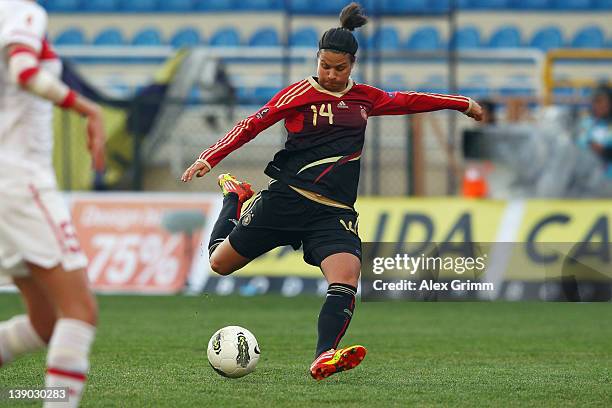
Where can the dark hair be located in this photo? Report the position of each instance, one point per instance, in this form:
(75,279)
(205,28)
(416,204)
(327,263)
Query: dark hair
(341,39)
(605,91)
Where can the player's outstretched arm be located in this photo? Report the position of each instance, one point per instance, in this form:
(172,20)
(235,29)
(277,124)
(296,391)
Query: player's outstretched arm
(279,107)
(402,103)
(25,70)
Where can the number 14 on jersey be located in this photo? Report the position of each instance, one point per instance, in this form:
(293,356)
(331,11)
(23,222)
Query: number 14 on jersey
(324,111)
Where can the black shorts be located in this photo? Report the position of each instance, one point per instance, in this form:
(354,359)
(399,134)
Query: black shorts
(280,216)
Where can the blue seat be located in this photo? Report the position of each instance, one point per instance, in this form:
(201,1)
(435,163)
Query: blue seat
(467,37)
(397,7)
(63,5)
(263,94)
(70,36)
(176,5)
(328,6)
(109,36)
(225,37)
(573,4)
(425,39)
(532,4)
(603,4)
(186,37)
(147,36)
(385,38)
(304,37)
(506,37)
(100,5)
(300,6)
(264,37)
(486,4)
(261,5)
(589,37)
(547,38)
(138,5)
(215,5)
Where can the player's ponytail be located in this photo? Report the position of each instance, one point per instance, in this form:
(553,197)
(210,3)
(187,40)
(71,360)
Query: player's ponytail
(351,17)
(341,39)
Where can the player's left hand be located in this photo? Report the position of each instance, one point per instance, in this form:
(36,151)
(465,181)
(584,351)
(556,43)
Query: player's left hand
(475,111)
(198,168)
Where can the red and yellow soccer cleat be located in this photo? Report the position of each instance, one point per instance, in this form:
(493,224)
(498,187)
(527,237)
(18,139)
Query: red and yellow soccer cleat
(334,361)
(230,184)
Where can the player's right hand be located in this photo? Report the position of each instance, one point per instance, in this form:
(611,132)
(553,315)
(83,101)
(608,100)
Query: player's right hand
(198,168)
(96,139)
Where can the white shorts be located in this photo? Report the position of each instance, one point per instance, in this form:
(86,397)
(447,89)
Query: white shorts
(35,226)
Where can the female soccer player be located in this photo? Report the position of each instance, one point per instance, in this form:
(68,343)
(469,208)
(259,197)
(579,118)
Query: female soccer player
(38,246)
(310,198)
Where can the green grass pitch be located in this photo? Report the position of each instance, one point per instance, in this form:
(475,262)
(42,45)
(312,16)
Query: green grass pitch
(151,352)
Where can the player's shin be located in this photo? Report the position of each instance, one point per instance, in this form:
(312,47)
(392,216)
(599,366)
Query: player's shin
(68,358)
(335,316)
(17,337)
(228,217)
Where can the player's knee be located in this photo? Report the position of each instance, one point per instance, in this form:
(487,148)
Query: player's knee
(220,267)
(347,276)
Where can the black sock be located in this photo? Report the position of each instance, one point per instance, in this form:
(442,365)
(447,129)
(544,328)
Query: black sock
(228,218)
(335,315)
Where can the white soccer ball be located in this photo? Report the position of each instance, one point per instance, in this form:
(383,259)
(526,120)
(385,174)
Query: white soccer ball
(233,352)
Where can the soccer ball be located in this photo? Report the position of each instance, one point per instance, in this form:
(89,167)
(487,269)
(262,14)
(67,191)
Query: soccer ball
(233,352)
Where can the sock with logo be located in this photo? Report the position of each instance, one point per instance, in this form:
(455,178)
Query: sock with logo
(335,316)
(17,337)
(228,217)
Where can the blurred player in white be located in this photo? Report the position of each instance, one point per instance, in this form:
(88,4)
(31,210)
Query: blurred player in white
(38,246)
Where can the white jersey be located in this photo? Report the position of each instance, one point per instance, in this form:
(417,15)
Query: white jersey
(26,120)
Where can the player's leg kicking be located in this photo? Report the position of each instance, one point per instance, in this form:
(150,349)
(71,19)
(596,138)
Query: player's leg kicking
(342,270)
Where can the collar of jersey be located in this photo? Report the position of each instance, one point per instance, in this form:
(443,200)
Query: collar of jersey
(319,88)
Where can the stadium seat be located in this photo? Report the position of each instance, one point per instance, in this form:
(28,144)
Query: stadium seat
(186,37)
(300,6)
(261,5)
(328,6)
(572,4)
(70,36)
(467,37)
(100,5)
(547,38)
(425,39)
(225,37)
(263,94)
(304,37)
(138,5)
(63,5)
(603,4)
(487,4)
(176,5)
(264,37)
(385,38)
(532,4)
(398,7)
(147,36)
(215,5)
(506,37)
(589,37)
(109,36)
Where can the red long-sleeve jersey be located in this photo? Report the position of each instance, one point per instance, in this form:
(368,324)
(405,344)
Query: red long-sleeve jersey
(325,132)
